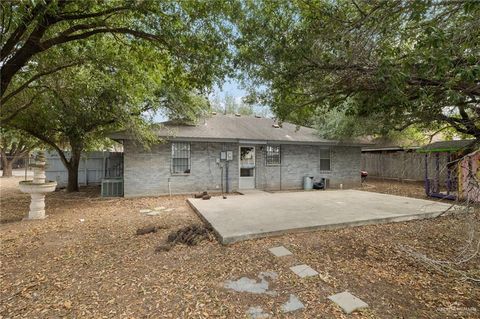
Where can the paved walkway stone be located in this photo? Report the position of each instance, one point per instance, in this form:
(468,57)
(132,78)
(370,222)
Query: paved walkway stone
(280,251)
(348,302)
(292,304)
(303,271)
(246,284)
(257,313)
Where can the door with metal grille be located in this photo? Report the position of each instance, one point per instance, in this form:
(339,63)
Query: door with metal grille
(247,167)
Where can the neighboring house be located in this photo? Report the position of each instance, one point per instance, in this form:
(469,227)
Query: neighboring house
(232,153)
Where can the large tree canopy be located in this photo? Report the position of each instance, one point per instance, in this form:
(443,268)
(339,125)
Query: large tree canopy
(394,63)
(33,35)
(111,90)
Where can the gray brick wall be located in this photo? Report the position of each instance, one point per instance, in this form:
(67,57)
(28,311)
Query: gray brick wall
(148,172)
(298,161)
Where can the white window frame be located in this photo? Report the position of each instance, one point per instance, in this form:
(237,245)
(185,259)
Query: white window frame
(189,154)
(279,155)
(322,152)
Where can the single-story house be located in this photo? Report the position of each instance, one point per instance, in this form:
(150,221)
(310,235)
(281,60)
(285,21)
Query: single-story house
(234,153)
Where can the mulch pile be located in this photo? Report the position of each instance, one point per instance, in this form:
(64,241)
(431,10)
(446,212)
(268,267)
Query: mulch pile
(190,235)
(146,230)
(203,195)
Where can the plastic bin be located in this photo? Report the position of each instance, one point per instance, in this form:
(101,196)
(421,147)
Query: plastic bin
(308,183)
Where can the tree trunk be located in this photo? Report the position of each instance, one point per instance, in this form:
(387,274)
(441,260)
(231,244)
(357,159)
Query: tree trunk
(7,167)
(72,167)
(72,185)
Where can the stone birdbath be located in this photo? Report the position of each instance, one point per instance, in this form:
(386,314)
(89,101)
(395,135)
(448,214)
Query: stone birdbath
(37,188)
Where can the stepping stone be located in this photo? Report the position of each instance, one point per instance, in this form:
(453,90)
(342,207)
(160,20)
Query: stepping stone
(348,302)
(292,304)
(257,313)
(303,271)
(246,284)
(280,251)
(159,208)
(144,211)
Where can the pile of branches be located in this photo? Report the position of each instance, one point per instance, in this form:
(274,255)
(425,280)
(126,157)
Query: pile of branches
(189,235)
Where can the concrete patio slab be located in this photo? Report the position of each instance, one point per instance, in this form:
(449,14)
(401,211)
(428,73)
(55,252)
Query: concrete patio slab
(304,271)
(280,251)
(348,302)
(258,215)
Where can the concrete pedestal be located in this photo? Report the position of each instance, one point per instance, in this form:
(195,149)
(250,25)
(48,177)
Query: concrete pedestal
(37,206)
(37,193)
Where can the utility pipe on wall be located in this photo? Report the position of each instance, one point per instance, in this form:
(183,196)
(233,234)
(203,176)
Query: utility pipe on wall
(169,188)
(226,177)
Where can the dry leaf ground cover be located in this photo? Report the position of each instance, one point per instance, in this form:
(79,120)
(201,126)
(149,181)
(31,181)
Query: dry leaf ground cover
(99,268)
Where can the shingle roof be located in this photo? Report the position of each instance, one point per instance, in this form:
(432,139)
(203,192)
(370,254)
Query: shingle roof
(446,146)
(235,128)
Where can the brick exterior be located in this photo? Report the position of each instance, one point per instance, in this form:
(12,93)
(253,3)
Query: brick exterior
(148,172)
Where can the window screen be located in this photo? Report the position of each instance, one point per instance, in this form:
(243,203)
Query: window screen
(181,158)
(273,155)
(325,159)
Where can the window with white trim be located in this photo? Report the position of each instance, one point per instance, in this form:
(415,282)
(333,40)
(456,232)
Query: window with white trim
(273,155)
(325,159)
(181,158)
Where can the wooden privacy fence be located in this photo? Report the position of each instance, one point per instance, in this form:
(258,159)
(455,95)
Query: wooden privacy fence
(401,165)
(94,166)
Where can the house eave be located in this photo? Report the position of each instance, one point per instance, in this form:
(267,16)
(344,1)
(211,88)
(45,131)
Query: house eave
(262,142)
(120,137)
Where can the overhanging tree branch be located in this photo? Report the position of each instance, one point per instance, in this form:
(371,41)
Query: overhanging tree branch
(26,20)
(24,106)
(36,77)
(81,16)
(68,38)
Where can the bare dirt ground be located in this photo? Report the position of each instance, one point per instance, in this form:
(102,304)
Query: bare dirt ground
(385,186)
(99,268)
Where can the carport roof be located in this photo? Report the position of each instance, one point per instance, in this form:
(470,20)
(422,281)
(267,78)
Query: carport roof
(446,146)
(233,128)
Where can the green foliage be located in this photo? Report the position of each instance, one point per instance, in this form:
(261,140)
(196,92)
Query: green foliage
(14,141)
(396,63)
(14,144)
(40,38)
(230,105)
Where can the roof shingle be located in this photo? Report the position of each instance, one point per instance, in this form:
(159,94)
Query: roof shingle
(239,128)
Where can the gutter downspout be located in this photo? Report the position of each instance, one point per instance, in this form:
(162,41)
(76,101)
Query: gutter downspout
(427,182)
(281,164)
(226,177)
(169,188)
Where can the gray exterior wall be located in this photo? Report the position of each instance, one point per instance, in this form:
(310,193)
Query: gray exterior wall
(148,172)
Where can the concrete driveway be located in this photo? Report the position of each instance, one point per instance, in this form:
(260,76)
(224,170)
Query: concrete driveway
(261,214)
